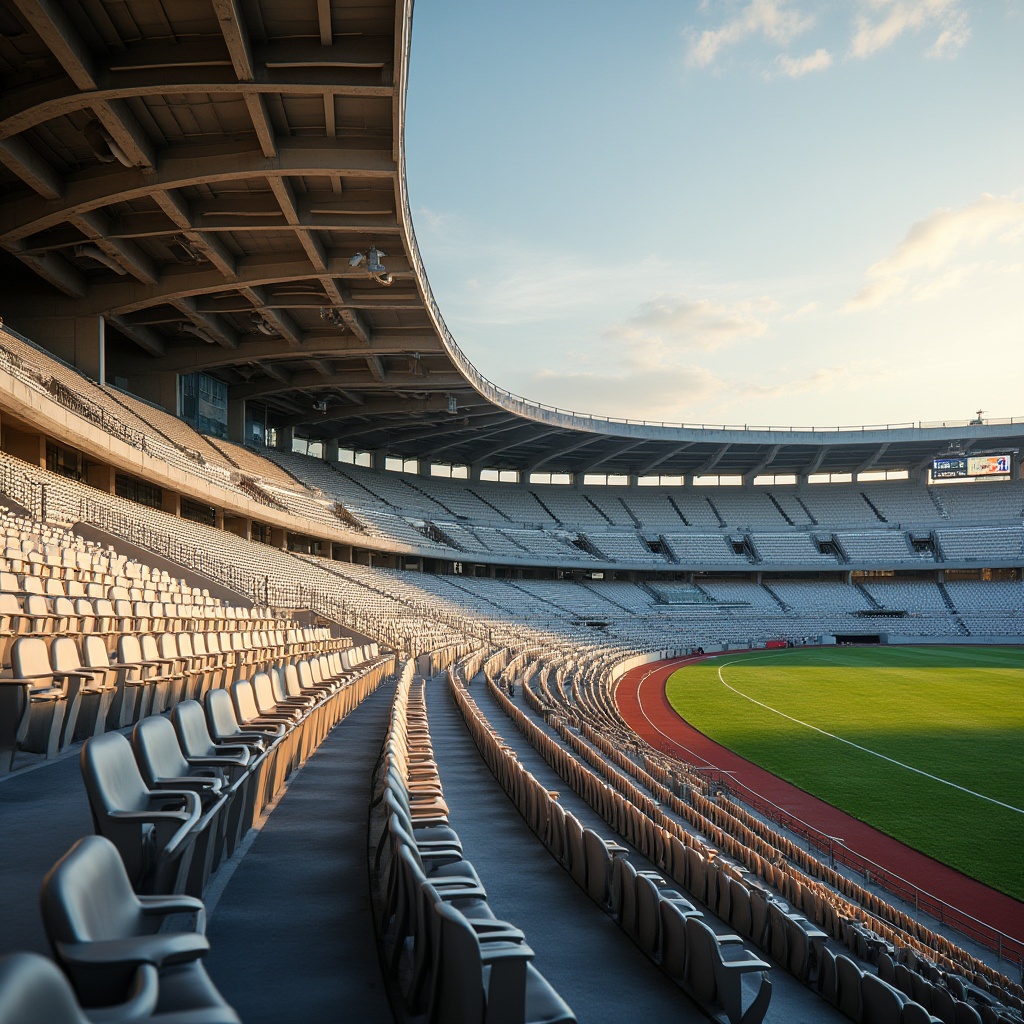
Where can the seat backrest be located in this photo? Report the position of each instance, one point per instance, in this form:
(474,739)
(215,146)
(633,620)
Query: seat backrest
(244,700)
(192,731)
(64,654)
(881,1003)
(150,650)
(94,652)
(848,984)
(129,650)
(33,988)
(220,714)
(84,609)
(88,897)
(111,776)
(915,1013)
(157,752)
(263,692)
(29,657)
(459,994)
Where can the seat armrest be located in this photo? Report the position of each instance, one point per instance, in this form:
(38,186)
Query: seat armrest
(140,1004)
(161,950)
(153,906)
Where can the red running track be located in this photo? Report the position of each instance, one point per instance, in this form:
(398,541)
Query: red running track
(644,706)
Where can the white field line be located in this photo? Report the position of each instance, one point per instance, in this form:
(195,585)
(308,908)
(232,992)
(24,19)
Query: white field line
(857,746)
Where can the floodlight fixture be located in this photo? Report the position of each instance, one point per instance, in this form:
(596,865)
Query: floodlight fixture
(374,261)
(375,269)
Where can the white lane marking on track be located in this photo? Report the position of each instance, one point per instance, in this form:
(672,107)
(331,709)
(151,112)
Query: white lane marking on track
(857,746)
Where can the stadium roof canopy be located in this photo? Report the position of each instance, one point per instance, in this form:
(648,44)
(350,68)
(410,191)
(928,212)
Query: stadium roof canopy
(201,174)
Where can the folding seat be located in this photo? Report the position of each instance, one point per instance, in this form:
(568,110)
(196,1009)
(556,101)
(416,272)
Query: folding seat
(239,763)
(848,988)
(44,623)
(225,727)
(220,644)
(163,766)
(881,1003)
(598,855)
(90,691)
(30,584)
(292,709)
(34,989)
(165,647)
(921,990)
(100,931)
(424,931)
(492,981)
(136,681)
(192,665)
(154,830)
(39,711)
(210,661)
(944,1005)
(715,966)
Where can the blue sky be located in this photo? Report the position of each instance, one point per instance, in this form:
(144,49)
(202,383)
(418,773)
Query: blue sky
(734,211)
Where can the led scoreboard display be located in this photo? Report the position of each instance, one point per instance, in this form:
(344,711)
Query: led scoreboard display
(970,466)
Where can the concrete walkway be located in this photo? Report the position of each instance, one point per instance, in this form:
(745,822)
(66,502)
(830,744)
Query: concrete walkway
(292,934)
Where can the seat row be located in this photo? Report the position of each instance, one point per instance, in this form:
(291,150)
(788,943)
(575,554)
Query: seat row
(179,796)
(834,903)
(450,958)
(666,926)
(64,688)
(949,998)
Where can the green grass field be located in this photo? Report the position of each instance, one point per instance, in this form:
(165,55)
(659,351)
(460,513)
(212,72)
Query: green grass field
(954,713)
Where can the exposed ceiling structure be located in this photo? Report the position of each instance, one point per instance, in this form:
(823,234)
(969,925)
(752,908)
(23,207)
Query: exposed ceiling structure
(203,174)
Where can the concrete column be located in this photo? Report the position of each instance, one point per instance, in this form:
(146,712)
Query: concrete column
(102,477)
(331,450)
(236,420)
(172,502)
(285,439)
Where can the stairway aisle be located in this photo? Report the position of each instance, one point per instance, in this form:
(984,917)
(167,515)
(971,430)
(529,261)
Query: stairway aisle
(579,949)
(292,935)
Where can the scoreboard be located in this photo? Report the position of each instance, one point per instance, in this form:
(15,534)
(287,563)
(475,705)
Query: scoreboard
(963,466)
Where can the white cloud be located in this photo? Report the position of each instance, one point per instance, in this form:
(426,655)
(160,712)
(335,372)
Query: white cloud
(887,20)
(933,243)
(776,20)
(687,393)
(807,309)
(797,67)
(692,324)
